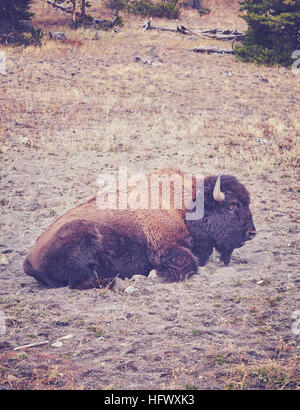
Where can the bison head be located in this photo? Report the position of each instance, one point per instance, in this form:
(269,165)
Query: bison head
(227,221)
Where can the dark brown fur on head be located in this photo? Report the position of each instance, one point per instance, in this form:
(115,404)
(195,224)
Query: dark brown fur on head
(226,225)
(88,247)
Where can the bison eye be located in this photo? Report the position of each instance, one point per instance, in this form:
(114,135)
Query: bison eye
(233,207)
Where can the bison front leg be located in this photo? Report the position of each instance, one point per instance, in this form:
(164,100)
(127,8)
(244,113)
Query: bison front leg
(203,250)
(83,278)
(225,254)
(177,263)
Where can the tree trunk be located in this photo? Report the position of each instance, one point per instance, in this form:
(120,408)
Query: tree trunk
(83,7)
(74,11)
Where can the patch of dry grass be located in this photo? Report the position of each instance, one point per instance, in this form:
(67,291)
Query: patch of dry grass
(96,96)
(272,375)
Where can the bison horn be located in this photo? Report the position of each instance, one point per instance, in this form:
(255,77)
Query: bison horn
(218,194)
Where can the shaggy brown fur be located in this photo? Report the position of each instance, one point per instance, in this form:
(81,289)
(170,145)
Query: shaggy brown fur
(89,247)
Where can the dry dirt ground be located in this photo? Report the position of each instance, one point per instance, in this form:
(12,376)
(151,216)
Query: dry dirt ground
(69,113)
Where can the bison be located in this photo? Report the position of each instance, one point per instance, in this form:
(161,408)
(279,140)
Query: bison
(89,247)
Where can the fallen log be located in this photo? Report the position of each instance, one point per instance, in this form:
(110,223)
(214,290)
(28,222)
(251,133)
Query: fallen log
(212,50)
(225,37)
(31,345)
(184,30)
(179,29)
(147,26)
(58,6)
(217,34)
(217,30)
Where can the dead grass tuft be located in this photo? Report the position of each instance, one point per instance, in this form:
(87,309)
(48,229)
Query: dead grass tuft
(270,376)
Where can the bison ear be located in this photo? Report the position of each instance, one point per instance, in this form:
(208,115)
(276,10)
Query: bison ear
(218,195)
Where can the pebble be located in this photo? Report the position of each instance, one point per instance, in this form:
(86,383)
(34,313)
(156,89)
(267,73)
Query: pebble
(58,343)
(131,289)
(137,278)
(260,282)
(3,259)
(66,337)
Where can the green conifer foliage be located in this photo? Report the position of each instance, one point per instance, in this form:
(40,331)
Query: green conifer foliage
(273,31)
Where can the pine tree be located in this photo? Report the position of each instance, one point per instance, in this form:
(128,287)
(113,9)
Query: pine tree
(15,19)
(273,31)
(14,11)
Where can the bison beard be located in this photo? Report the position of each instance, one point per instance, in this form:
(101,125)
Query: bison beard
(88,247)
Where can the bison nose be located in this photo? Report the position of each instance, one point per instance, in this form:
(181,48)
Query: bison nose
(250,234)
